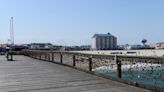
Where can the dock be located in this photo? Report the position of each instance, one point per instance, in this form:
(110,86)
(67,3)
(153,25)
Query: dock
(26,74)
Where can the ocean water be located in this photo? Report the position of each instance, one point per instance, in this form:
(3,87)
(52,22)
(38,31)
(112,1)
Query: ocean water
(144,73)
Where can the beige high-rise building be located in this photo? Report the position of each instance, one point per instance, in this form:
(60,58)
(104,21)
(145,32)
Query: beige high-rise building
(104,42)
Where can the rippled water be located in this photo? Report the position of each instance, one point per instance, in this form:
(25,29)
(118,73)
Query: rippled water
(150,74)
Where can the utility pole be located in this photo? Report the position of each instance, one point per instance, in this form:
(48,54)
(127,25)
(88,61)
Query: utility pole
(11,31)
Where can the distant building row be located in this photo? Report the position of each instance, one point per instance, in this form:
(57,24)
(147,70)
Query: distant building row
(99,42)
(40,46)
(137,47)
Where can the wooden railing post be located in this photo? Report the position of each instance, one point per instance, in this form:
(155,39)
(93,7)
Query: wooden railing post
(45,56)
(52,56)
(61,58)
(35,54)
(74,60)
(119,71)
(90,63)
(40,56)
(48,57)
(11,56)
(32,54)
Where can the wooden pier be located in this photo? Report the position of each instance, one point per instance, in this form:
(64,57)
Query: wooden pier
(26,74)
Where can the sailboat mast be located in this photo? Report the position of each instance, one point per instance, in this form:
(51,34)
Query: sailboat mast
(11,31)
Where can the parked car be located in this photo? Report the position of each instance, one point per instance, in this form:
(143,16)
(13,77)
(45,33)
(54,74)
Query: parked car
(2,51)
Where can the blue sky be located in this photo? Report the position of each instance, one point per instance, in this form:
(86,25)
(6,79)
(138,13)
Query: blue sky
(73,22)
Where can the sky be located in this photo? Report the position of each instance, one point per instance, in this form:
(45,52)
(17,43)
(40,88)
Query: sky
(74,22)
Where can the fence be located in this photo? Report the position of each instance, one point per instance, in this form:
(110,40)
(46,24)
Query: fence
(145,72)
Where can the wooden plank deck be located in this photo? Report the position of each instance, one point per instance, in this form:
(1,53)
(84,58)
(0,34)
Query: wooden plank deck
(31,75)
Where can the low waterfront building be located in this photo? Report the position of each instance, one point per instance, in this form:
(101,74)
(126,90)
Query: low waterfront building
(160,45)
(85,47)
(152,46)
(40,46)
(104,42)
(133,47)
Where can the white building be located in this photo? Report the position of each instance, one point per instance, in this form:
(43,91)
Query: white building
(104,42)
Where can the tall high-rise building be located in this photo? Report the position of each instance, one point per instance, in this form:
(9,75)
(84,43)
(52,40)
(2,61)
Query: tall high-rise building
(104,42)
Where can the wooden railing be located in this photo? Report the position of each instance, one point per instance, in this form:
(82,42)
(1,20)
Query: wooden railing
(146,72)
